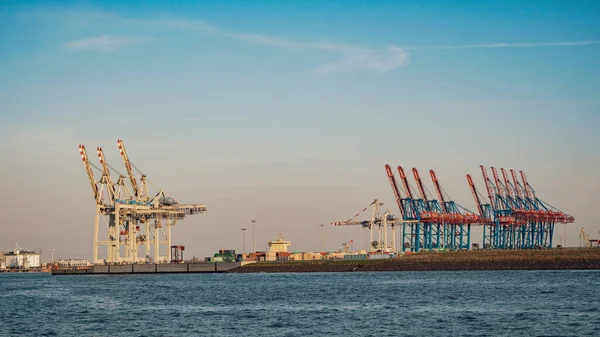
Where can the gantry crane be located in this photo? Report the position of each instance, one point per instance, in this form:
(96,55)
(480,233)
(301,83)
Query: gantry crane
(435,229)
(412,227)
(456,218)
(515,218)
(124,211)
(486,214)
(383,240)
(347,246)
(419,217)
(584,239)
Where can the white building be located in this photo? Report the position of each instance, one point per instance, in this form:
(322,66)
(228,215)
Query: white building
(69,263)
(22,259)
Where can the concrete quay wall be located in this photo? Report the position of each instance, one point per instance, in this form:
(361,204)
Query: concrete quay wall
(119,269)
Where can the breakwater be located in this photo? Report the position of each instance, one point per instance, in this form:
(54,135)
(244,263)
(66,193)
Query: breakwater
(554,259)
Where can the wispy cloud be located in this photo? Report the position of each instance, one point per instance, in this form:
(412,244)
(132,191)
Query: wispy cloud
(103,42)
(345,56)
(507,45)
(212,119)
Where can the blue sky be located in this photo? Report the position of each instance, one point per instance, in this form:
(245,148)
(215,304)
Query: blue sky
(288,112)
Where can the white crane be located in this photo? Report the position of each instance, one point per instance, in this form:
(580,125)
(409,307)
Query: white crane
(583,236)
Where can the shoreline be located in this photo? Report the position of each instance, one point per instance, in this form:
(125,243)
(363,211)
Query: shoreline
(576,259)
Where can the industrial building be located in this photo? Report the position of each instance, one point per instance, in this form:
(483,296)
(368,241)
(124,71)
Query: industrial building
(278,251)
(22,259)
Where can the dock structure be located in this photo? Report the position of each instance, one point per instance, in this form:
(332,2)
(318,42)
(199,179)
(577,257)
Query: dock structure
(151,268)
(138,224)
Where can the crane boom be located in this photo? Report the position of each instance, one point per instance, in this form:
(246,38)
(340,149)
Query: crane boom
(498,183)
(487,186)
(509,191)
(526,185)
(438,190)
(106,173)
(132,179)
(395,189)
(413,205)
(364,223)
(88,170)
(475,195)
(405,182)
(419,184)
(518,190)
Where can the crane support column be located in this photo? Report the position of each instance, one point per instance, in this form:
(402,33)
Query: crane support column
(96,228)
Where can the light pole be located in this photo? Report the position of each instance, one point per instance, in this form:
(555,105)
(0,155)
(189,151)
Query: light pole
(253,237)
(243,240)
(322,238)
(52,251)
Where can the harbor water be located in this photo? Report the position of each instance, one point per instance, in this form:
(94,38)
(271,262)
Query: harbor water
(465,303)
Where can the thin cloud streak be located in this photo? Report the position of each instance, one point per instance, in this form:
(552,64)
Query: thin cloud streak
(103,43)
(507,45)
(351,57)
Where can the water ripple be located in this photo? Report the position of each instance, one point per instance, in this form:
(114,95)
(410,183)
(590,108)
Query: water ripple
(469,303)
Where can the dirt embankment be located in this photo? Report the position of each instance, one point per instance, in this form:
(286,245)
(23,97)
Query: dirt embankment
(471,260)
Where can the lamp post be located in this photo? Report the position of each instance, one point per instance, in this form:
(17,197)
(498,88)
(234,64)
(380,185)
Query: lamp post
(52,251)
(243,240)
(322,238)
(253,237)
